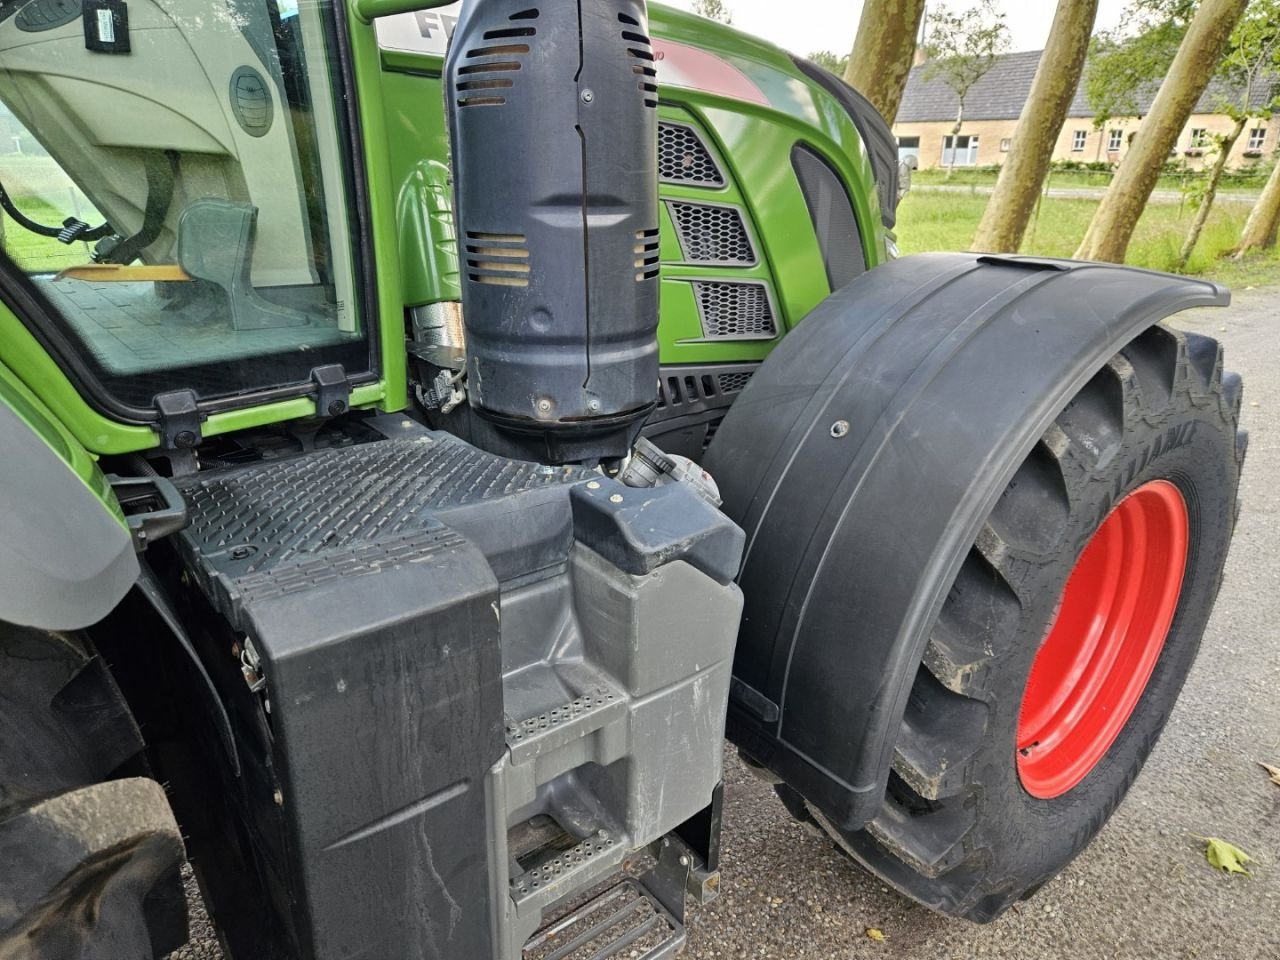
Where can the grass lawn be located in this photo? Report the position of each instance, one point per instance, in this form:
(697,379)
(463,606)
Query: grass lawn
(948,221)
(32,252)
(42,192)
(1248,184)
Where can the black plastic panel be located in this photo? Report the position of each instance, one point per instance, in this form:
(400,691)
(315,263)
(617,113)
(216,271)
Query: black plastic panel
(692,400)
(876,135)
(834,220)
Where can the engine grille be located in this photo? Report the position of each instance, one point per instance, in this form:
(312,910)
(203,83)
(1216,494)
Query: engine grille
(684,158)
(712,234)
(735,311)
(733,382)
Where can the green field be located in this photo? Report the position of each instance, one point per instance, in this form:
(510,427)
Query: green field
(929,221)
(1247,181)
(42,192)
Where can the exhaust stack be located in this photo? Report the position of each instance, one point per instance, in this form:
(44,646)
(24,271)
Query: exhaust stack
(553,117)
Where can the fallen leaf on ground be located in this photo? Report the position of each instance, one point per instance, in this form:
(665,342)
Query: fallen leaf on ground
(876,934)
(1274,771)
(1225,856)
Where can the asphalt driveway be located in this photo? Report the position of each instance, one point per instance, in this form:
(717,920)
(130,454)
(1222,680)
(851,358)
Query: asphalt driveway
(1143,889)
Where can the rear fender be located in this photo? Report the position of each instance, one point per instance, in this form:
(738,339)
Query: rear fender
(862,461)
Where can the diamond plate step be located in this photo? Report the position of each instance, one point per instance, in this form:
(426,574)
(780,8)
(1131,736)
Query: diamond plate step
(624,921)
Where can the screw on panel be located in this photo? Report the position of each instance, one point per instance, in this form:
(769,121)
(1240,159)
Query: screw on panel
(593,485)
(587,96)
(840,429)
(616,498)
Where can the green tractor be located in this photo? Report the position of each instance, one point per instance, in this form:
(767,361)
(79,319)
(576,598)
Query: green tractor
(426,433)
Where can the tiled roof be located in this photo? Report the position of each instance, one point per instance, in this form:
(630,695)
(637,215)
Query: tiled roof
(1001,93)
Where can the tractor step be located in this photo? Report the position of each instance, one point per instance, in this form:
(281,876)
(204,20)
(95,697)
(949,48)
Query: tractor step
(624,921)
(583,705)
(587,862)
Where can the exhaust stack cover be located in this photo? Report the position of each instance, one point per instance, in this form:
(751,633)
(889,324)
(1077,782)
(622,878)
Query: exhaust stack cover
(553,116)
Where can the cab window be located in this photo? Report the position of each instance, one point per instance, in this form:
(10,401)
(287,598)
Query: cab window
(175,190)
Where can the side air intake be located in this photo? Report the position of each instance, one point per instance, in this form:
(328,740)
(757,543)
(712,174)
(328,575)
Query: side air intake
(735,311)
(712,234)
(684,158)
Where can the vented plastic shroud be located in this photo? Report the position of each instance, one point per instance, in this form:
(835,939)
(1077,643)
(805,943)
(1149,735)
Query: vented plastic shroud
(553,114)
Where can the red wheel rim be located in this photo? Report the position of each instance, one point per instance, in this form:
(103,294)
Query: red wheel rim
(1098,656)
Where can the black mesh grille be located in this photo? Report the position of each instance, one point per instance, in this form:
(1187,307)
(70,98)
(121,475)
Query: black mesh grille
(712,234)
(684,158)
(733,382)
(737,311)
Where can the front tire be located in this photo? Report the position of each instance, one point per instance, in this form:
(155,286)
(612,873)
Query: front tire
(90,853)
(979,812)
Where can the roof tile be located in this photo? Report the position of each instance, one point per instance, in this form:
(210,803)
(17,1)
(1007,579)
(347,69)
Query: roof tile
(1001,93)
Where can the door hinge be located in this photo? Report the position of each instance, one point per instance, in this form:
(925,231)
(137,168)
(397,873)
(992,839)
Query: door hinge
(180,417)
(333,390)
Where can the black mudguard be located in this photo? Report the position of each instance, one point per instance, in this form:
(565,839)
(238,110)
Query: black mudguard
(65,560)
(862,461)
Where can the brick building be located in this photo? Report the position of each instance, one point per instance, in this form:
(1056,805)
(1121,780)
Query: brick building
(928,115)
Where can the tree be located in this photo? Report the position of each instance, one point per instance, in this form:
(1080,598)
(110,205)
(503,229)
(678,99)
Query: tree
(1113,224)
(830,62)
(1247,70)
(1264,220)
(883,52)
(962,48)
(1126,65)
(1005,220)
(713,10)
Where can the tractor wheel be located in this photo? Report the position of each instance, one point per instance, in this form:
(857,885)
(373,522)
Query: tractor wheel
(90,849)
(1065,640)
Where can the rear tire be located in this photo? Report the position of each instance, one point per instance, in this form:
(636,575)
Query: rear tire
(959,829)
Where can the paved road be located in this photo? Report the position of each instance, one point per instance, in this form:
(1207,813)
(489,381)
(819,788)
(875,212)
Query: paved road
(1077,193)
(1143,889)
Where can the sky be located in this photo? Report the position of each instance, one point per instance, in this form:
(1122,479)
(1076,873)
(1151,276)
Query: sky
(807,26)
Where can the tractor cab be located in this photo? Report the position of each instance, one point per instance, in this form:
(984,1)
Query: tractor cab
(182,202)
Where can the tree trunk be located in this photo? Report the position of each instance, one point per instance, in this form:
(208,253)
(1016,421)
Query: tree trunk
(1264,220)
(1004,224)
(1114,222)
(883,52)
(955,141)
(1210,192)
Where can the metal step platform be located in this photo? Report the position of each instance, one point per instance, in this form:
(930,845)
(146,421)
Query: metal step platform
(624,921)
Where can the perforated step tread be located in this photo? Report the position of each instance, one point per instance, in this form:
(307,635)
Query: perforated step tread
(286,525)
(624,921)
(545,731)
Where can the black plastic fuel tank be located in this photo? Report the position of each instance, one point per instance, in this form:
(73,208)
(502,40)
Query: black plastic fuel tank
(553,116)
